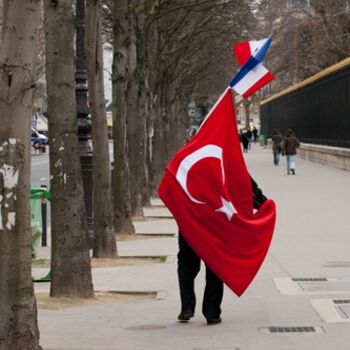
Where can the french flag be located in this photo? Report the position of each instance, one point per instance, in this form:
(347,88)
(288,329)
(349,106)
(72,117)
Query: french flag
(253,75)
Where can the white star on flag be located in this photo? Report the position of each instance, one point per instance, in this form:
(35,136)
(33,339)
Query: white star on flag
(227,208)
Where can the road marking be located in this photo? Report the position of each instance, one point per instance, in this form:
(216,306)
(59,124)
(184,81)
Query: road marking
(329,311)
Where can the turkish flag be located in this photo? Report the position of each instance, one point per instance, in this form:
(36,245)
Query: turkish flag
(207,188)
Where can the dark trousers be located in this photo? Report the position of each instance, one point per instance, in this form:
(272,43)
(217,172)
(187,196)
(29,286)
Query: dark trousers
(188,268)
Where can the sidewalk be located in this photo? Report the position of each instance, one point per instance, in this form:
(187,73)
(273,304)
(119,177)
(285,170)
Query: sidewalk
(311,242)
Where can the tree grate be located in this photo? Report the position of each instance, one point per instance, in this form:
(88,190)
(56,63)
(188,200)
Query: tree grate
(216,348)
(145,327)
(347,301)
(310,279)
(292,329)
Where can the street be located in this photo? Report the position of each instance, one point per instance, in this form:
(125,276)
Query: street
(40,170)
(40,174)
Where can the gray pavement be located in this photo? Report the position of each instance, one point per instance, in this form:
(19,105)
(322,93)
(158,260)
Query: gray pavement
(40,173)
(311,241)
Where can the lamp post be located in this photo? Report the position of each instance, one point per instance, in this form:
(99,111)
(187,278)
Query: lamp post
(84,122)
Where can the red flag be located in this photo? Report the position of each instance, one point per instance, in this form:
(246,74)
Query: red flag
(242,52)
(208,190)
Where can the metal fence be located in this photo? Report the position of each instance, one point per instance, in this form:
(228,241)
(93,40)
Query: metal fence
(318,109)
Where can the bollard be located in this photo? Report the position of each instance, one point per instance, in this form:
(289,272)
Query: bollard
(262,140)
(44,219)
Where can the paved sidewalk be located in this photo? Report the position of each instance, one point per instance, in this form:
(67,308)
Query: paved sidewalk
(312,240)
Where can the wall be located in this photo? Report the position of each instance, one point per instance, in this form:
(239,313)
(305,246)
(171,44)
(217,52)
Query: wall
(336,157)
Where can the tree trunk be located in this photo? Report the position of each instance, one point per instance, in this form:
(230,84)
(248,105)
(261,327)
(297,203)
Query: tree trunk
(178,129)
(246,104)
(70,264)
(169,96)
(105,243)
(157,152)
(160,142)
(1,18)
(121,173)
(154,72)
(143,85)
(135,123)
(18,58)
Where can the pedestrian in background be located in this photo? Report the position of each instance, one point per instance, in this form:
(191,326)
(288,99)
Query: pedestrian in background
(255,133)
(277,140)
(249,135)
(245,138)
(289,148)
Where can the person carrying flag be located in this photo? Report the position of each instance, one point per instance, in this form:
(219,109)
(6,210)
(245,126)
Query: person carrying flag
(207,188)
(188,268)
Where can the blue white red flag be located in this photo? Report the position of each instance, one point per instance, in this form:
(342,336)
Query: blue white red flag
(257,48)
(253,75)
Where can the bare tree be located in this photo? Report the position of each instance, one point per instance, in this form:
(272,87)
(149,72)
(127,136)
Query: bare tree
(308,36)
(163,51)
(331,29)
(193,40)
(70,264)
(18,59)
(121,173)
(135,124)
(1,16)
(105,243)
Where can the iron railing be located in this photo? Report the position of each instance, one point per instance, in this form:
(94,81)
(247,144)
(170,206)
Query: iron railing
(318,110)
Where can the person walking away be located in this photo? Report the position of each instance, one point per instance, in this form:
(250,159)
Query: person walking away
(255,133)
(289,148)
(249,137)
(245,140)
(276,138)
(188,267)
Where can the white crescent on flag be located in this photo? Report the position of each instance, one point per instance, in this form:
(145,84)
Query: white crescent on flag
(208,151)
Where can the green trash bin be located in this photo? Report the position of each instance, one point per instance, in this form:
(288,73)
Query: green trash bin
(36,226)
(37,195)
(263,140)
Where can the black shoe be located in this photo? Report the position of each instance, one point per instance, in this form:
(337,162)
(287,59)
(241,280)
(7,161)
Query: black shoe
(213,321)
(185,316)
(293,171)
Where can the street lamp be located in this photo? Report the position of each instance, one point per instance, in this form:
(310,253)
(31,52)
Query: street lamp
(84,122)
